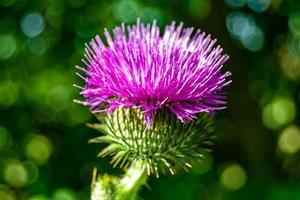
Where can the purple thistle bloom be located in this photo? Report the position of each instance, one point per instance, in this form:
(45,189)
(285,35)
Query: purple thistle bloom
(180,71)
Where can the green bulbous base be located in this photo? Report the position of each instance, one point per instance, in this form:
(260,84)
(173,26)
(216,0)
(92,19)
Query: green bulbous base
(166,146)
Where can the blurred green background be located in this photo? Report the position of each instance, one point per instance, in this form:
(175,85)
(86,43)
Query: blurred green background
(44,153)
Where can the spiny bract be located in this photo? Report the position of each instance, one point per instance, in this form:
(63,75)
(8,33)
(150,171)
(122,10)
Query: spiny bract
(166,146)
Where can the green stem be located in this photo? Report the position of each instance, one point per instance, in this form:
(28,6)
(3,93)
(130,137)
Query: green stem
(128,187)
(112,188)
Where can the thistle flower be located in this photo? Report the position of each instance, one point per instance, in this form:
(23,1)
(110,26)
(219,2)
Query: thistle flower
(155,94)
(180,71)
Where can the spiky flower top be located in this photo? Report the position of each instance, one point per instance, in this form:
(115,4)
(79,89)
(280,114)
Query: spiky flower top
(167,81)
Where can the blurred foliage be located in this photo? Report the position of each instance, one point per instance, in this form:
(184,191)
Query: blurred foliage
(44,153)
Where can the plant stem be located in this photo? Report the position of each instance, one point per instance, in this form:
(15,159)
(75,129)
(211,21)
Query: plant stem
(108,187)
(128,187)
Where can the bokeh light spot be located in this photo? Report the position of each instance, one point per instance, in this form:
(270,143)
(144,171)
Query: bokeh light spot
(279,112)
(61,96)
(32,171)
(5,139)
(38,148)
(289,140)
(284,110)
(255,40)
(289,57)
(8,46)
(76,115)
(9,93)
(199,8)
(6,195)
(259,5)
(32,24)
(294,23)
(148,14)
(54,13)
(55,8)
(15,174)
(204,166)
(242,27)
(125,10)
(233,177)
(294,45)
(37,45)
(38,197)
(235,3)
(64,194)
(239,24)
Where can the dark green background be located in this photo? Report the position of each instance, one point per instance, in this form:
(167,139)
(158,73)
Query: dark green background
(43,137)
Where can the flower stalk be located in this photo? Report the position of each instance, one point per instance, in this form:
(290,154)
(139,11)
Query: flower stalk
(112,188)
(130,184)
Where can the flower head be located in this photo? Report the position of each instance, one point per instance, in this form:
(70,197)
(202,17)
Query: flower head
(179,71)
(141,76)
